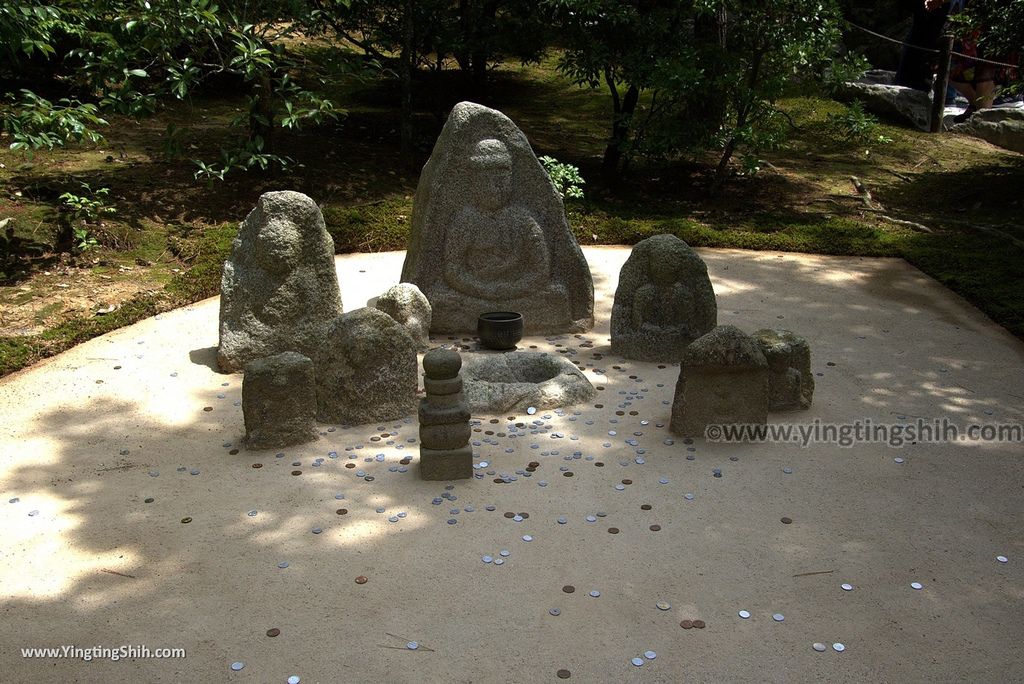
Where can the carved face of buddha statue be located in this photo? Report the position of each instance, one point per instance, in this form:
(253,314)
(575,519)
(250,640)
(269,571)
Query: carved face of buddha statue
(490,166)
(278,250)
(664,270)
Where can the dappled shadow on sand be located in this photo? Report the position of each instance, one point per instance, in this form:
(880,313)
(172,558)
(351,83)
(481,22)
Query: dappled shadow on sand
(100,565)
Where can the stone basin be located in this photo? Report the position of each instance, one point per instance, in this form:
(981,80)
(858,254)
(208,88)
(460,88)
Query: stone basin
(500,383)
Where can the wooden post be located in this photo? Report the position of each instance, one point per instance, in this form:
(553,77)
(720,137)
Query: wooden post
(941,83)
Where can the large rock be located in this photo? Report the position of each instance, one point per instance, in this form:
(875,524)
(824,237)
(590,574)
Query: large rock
(445,453)
(1002,127)
(279,401)
(663,302)
(489,232)
(500,383)
(876,90)
(790,381)
(723,380)
(279,287)
(366,370)
(407,305)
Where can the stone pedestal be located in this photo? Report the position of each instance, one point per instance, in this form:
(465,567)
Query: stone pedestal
(445,453)
(790,381)
(279,401)
(723,380)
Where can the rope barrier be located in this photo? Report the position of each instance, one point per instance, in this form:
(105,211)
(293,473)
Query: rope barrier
(931,51)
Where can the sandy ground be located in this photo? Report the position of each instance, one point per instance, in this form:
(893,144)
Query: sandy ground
(89,435)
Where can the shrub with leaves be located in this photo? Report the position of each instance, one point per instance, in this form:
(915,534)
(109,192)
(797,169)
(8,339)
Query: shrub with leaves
(565,177)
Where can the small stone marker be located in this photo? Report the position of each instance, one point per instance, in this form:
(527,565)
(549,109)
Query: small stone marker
(279,401)
(790,381)
(445,453)
(489,232)
(663,302)
(279,287)
(365,369)
(407,305)
(723,379)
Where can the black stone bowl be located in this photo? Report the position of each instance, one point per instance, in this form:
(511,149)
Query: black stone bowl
(500,329)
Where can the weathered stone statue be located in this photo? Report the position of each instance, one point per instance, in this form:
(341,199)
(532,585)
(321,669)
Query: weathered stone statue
(664,301)
(445,453)
(279,287)
(723,379)
(790,381)
(365,369)
(279,401)
(490,234)
(407,305)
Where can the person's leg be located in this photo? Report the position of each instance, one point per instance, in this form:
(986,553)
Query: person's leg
(984,93)
(965,89)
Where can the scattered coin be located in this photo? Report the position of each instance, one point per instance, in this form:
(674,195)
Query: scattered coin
(838,647)
(341,511)
(778,617)
(362,579)
(595,593)
(568,589)
(699,624)
(412,645)
(745,614)
(237,666)
(916,585)
(273,632)
(555,611)
(613,530)
(686,624)
(637,661)
(655,528)
(186,520)
(787,521)
(650,655)
(819,647)
(563,674)
(663,605)
(1002,559)
(846,587)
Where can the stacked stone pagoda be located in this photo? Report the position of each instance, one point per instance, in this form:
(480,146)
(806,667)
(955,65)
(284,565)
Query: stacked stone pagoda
(445,453)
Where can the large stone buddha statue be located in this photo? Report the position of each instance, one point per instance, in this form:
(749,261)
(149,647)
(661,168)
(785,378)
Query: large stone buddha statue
(490,233)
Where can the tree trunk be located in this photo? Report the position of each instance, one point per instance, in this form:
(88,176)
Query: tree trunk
(407,57)
(621,124)
(462,54)
(742,115)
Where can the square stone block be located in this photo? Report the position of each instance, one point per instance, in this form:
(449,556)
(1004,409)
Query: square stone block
(446,464)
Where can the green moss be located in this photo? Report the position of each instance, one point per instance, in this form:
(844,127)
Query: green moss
(210,248)
(377,227)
